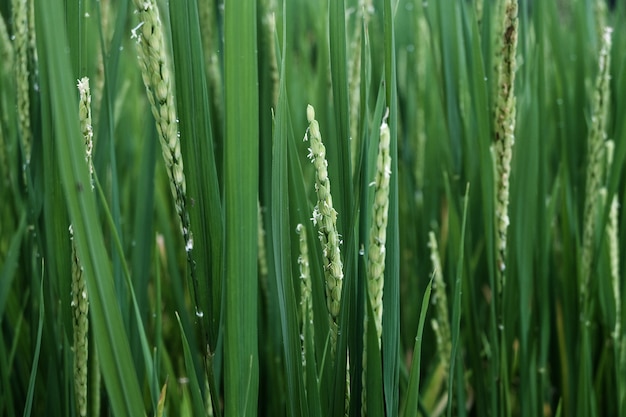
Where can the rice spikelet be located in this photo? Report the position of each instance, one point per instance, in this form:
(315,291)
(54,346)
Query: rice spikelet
(84,110)
(21,43)
(378,231)
(441,324)
(306,293)
(504,127)
(595,165)
(80,310)
(156,74)
(325,218)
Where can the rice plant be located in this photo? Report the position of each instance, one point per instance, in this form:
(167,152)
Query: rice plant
(312,208)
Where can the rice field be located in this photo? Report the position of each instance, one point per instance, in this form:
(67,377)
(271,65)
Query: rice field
(312,208)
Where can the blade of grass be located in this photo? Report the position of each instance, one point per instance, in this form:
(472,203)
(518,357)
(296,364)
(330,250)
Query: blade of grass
(312,381)
(339,148)
(391,299)
(283,260)
(364,172)
(338,386)
(448,12)
(55,233)
(241,163)
(112,342)
(144,347)
(197,402)
(105,130)
(105,160)
(529,187)
(33,373)
(374,381)
(412,400)
(143,234)
(456,306)
(281,232)
(161,407)
(202,185)
(198,154)
(477,61)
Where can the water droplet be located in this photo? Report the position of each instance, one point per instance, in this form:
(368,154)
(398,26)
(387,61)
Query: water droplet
(199,313)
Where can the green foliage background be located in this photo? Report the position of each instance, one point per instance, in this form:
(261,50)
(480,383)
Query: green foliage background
(223,337)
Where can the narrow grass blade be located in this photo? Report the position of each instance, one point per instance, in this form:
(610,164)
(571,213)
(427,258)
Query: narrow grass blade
(112,342)
(161,404)
(281,234)
(339,148)
(374,381)
(198,154)
(312,380)
(456,306)
(33,372)
(197,402)
(241,163)
(55,225)
(283,260)
(365,170)
(143,345)
(391,299)
(412,400)
(143,234)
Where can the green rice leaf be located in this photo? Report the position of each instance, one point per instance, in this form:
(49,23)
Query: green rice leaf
(197,403)
(281,235)
(241,164)
(456,306)
(414,378)
(391,299)
(33,372)
(112,342)
(198,155)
